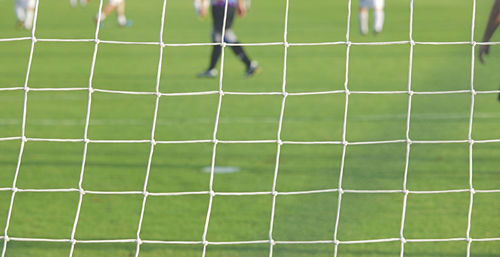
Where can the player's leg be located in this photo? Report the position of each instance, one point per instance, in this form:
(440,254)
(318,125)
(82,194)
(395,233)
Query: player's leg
(30,13)
(20,13)
(106,11)
(363,16)
(72,3)
(378,15)
(120,11)
(499,95)
(230,37)
(218,21)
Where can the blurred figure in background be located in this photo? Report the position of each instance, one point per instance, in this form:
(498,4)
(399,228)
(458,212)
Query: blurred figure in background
(74,2)
(25,10)
(109,7)
(493,23)
(119,5)
(218,14)
(378,15)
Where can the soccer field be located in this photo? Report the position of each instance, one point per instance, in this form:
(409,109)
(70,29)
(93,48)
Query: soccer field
(312,161)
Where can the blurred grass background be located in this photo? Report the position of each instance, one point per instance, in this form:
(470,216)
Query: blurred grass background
(178,167)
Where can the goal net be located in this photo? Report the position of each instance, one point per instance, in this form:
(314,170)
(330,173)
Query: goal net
(375,145)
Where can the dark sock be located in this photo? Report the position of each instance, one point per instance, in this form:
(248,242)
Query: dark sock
(216,51)
(238,50)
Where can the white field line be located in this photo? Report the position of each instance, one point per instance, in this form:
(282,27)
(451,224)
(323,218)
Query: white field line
(137,122)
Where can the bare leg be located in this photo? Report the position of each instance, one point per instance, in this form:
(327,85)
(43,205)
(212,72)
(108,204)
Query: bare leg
(106,11)
(120,10)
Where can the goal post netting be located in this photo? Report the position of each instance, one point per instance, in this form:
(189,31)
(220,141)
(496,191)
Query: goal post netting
(392,160)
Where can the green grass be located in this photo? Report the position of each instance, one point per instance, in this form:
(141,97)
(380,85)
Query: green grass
(178,167)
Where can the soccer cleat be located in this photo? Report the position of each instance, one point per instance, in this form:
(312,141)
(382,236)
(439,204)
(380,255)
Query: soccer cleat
(252,70)
(128,23)
(208,74)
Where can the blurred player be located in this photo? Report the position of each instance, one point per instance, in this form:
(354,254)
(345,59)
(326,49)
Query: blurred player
(74,2)
(218,9)
(493,23)
(378,15)
(110,6)
(25,10)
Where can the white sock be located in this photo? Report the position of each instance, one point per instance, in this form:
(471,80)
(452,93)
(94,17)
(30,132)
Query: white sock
(72,3)
(378,20)
(122,20)
(82,2)
(20,13)
(363,22)
(28,22)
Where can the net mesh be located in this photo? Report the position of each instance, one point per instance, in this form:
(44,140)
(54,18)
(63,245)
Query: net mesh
(278,141)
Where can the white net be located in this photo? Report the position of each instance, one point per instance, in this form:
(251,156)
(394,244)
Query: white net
(215,141)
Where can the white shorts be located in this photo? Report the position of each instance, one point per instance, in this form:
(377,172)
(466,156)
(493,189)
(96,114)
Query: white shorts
(374,4)
(115,2)
(25,3)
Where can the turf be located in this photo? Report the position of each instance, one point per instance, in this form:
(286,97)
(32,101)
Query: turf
(178,167)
